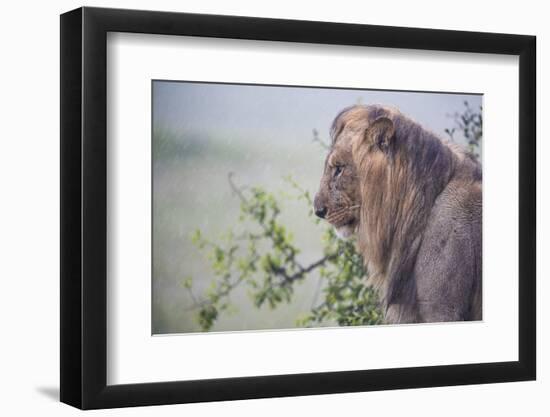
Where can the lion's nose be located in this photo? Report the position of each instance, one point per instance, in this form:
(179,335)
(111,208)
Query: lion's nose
(321,212)
(319,206)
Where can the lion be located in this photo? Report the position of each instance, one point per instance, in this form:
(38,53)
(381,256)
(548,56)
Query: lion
(414,203)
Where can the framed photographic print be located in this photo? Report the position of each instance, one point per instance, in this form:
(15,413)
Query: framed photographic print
(257,207)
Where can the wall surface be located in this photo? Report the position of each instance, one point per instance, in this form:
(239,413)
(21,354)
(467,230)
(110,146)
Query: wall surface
(29,223)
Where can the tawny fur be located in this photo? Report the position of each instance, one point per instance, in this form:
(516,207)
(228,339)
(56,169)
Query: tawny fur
(419,223)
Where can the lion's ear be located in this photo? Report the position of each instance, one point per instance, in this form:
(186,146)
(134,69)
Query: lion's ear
(380,133)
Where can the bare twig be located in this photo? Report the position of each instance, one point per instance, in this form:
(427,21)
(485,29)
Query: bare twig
(302,271)
(321,142)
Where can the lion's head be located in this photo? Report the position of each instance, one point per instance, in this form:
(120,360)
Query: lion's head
(339,197)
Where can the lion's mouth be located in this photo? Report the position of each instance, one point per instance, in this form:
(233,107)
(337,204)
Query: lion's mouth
(344,222)
(350,222)
(346,229)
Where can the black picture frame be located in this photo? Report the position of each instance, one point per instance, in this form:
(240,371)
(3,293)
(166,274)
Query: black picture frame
(84,207)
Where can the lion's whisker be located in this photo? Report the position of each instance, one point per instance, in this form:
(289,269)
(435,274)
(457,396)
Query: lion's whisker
(340,213)
(338,218)
(333,215)
(336,213)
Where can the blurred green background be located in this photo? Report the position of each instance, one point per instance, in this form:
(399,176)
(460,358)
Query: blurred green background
(202,132)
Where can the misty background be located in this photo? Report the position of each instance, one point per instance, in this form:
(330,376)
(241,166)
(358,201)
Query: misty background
(204,131)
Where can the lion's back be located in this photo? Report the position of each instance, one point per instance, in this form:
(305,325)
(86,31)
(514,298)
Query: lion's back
(448,267)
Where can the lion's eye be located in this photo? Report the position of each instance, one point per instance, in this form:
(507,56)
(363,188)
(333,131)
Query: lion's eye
(338,170)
